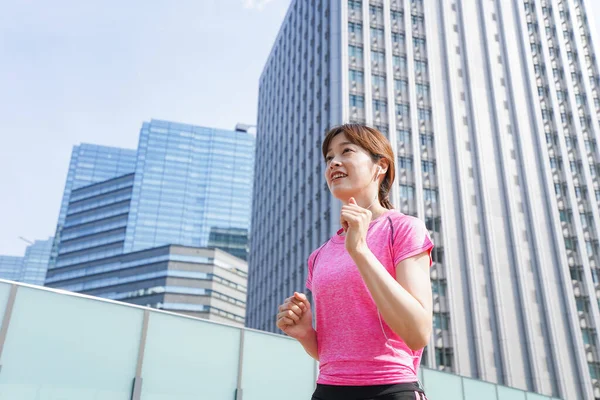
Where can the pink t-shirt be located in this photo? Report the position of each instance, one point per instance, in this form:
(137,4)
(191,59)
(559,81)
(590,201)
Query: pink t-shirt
(353,350)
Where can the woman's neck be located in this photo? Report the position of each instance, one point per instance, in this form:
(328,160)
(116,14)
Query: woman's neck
(377,211)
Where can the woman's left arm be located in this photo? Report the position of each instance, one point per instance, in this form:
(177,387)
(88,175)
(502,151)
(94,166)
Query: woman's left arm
(405,303)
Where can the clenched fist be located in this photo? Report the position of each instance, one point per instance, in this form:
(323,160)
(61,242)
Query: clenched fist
(295,316)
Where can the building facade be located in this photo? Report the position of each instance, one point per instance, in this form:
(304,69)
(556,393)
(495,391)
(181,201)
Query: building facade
(91,164)
(10,267)
(191,186)
(202,282)
(35,262)
(491,108)
(32,267)
(191,183)
(95,223)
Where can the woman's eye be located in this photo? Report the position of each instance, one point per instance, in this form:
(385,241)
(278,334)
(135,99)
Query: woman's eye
(347,150)
(327,159)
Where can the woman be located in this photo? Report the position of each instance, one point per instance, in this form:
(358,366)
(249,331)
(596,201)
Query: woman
(370,282)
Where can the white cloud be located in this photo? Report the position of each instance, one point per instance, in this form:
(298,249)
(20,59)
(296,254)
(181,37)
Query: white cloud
(256,4)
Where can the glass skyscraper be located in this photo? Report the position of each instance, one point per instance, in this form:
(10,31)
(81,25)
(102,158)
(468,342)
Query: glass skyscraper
(10,267)
(95,223)
(492,109)
(32,267)
(191,186)
(91,164)
(35,262)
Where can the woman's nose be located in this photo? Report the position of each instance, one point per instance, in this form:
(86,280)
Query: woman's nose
(334,163)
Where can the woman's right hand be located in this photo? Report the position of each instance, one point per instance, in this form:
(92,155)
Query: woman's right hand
(295,317)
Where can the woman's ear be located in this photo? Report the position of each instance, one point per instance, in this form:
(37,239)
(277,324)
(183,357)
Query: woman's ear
(383,166)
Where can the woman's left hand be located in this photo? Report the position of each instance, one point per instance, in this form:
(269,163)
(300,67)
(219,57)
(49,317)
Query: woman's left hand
(355,220)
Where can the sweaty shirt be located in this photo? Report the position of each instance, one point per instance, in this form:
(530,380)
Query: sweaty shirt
(353,350)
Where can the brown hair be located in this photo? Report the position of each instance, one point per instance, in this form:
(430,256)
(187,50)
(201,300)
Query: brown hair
(376,144)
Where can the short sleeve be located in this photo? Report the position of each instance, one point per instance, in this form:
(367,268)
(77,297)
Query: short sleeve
(309,275)
(409,238)
(311,266)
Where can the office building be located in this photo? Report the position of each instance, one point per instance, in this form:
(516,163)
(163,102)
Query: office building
(191,186)
(491,108)
(90,164)
(32,267)
(191,181)
(10,267)
(202,282)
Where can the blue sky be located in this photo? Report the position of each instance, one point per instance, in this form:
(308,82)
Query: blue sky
(93,71)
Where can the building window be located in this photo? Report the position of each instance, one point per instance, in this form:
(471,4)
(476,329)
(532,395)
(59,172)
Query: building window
(402,110)
(399,39)
(423,90)
(440,321)
(428,167)
(377,36)
(357,101)
(546,115)
(405,163)
(594,368)
(565,216)
(430,195)
(421,67)
(355,5)
(378,82)
(419,44)
(438,287)
(396,17)
(379,106)
(443,357)
(354,28)
(400,63)
(378,59)
(417,20)
(401,85)
(407,192)
(424,114)
(426,140)
(404,136)
(558,189)
(376,12)
(357,52)
(357,76)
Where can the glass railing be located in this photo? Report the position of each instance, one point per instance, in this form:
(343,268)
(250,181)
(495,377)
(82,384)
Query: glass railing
(60,345)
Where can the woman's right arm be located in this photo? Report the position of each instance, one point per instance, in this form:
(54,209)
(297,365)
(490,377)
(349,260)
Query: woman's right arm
(295,320)
(309,342)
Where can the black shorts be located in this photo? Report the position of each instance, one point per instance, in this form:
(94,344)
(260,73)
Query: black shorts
(398,391)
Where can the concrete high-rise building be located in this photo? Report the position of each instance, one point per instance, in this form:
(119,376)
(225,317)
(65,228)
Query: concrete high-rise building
(32,267)
(491,108)
(202,282)
(191,186)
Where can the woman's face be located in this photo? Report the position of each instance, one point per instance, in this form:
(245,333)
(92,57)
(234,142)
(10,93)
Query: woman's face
(350,169)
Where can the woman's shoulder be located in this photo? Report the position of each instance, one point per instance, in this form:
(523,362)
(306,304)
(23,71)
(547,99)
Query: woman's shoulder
(404,226)
(315,253)
(400,219)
